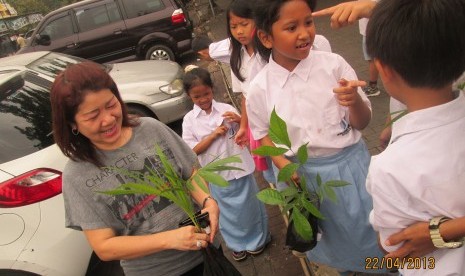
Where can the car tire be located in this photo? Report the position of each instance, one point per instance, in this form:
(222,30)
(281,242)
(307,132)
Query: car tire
(140,111)
(159,52)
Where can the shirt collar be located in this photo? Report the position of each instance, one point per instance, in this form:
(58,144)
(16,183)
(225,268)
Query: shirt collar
(199,112)
(430,117)
(282,75)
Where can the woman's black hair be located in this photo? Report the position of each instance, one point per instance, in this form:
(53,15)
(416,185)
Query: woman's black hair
(244,9)
(196,77)
(266,13)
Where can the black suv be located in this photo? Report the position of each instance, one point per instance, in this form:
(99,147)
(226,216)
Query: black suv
(115,30)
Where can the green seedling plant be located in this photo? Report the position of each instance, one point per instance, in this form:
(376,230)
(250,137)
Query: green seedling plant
(297,199)
(166,182)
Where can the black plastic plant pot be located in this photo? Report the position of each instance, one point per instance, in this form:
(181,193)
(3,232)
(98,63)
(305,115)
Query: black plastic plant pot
(297,243)
(202,219)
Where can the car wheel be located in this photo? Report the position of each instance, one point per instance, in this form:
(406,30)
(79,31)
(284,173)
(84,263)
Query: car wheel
(140,111)
(160,52)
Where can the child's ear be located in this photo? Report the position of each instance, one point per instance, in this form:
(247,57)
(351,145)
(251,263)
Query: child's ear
(385,71)
(265,39)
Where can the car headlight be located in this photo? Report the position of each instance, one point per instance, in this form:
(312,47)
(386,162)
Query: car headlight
(174,88)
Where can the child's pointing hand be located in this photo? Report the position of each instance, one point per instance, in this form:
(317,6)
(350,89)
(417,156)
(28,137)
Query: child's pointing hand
(346,93)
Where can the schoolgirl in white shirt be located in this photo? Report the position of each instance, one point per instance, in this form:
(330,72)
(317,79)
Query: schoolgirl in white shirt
(311,92)
(210,129)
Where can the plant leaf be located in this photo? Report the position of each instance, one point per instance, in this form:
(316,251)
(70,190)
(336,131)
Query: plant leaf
(290,191)
(133,188)
(311,208)
(337,183)
(301,225)
(271,196)
(278,130)
(219,163)
(318,180)
(199,181)
(302,154)
(269,151)
(213,178)
(286,172)
(330,193)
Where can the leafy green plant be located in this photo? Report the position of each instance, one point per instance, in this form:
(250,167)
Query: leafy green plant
(167,183)
(297,198)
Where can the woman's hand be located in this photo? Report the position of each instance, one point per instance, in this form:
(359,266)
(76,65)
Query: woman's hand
(186,238)
(213,213)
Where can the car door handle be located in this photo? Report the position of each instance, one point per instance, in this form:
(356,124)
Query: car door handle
(117,32)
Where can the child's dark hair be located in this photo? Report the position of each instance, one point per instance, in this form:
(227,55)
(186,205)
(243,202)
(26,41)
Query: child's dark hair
(200,42)
(422,40)
(267,13)
(196,77)
(244,9)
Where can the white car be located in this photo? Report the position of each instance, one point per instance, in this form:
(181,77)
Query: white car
(33,237)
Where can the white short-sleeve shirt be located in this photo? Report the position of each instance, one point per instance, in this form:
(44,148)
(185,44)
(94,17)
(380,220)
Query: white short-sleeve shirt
(197,124)
(305,100)
(420,175)
(251,65)
(220,50)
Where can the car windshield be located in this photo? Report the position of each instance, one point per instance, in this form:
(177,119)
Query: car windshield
(53,63)
(25,113)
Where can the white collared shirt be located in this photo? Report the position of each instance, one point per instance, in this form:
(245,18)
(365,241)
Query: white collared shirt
(197,124)
(251,65)
(305,100)
(420,175)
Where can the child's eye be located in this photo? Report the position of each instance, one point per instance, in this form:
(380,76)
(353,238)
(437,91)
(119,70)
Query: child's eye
(291,28)
(309,22)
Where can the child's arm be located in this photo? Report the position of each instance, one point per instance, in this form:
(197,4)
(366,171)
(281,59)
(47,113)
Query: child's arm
(206,142)
(241,136)
(347,95)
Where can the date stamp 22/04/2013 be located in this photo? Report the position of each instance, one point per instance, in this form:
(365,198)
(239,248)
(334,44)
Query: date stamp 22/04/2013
(375,263)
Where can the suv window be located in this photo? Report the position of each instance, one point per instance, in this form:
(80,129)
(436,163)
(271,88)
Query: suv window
(59,28)
(94,17)
(136,8)
(25,113)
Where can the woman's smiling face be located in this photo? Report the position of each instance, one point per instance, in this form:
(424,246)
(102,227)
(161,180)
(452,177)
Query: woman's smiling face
(99,118)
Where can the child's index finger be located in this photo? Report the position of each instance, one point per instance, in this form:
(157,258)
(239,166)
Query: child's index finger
(352,83)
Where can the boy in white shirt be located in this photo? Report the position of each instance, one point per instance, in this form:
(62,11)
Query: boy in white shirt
(419,52)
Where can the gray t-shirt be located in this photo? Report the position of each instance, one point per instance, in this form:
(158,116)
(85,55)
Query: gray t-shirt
(87,209)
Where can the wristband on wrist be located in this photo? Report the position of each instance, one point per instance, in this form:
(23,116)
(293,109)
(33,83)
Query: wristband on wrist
(436,237)
(206,199)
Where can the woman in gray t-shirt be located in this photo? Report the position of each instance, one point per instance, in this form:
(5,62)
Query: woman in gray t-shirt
(91,126)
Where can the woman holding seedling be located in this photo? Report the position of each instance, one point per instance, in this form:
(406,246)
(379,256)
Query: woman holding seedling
(92,127)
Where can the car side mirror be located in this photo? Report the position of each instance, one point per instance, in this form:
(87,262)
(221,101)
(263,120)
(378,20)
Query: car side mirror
(43,39)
